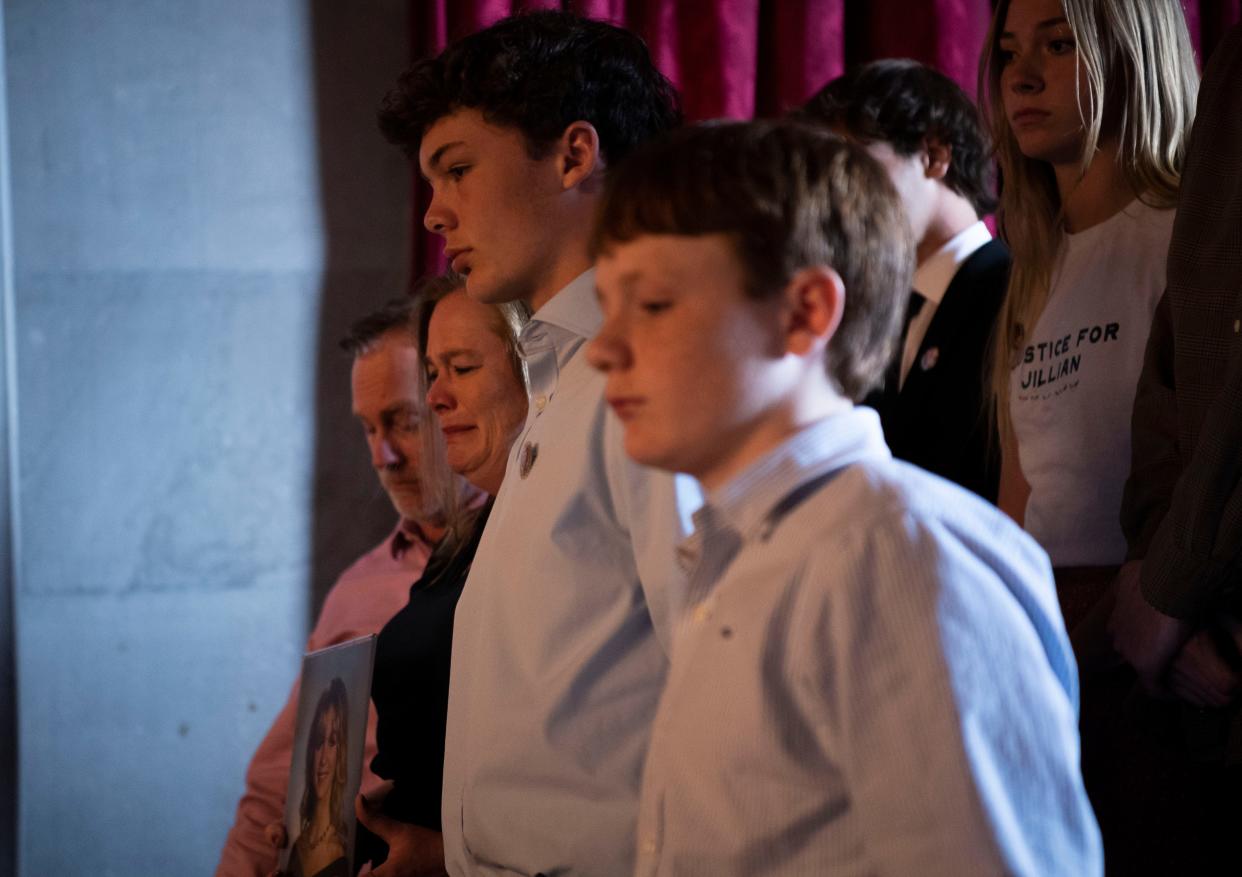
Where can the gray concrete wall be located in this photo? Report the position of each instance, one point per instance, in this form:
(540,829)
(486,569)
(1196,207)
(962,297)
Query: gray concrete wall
(8,513)
(200,203)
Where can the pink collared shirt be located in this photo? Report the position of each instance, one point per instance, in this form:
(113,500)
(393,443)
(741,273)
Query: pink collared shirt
(361,602)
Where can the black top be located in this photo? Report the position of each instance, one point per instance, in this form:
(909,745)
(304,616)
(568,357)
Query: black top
(410,684)
(336,868)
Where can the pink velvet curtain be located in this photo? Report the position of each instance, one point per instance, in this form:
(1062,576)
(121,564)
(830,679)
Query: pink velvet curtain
(744,58)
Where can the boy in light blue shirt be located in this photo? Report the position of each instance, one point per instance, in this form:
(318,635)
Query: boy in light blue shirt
(870,674)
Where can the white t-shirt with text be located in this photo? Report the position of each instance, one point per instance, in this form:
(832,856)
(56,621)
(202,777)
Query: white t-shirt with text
(1071,395)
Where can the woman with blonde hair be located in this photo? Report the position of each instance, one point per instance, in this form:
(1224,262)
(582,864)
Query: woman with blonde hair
(475,383)
(1091,104)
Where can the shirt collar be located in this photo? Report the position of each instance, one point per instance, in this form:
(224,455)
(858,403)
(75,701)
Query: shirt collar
(575,308)
(933,277)
(758,496)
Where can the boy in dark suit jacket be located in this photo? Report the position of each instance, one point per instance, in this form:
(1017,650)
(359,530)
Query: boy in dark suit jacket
(926,133)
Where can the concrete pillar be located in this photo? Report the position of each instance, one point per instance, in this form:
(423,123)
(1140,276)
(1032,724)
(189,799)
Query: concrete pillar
(200,204)
(8,511)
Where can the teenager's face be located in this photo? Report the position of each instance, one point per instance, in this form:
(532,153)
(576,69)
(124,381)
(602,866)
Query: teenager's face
(1042,82)
(687,354)
(495,206)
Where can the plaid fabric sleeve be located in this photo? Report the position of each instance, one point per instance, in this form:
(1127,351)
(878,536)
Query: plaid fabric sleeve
(1155,459)
(1191,564)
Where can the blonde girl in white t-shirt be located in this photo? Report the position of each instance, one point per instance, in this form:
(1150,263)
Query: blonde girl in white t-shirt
(1091,104)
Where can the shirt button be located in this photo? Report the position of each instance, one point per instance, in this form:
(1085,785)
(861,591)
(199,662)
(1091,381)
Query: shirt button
(701,613)
(649,846)
(541,402)
(1237,326)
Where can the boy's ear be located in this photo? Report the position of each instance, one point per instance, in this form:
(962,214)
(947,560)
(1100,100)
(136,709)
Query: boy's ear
(579,155)
(938,158)
(814,302)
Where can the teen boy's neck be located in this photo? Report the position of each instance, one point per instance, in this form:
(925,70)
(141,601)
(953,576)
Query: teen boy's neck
(955,215)
(769,432)
(576,262)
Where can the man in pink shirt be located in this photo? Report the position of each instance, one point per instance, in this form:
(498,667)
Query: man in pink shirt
(388,403)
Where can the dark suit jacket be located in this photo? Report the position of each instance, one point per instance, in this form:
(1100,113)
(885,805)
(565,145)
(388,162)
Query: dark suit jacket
(938,420)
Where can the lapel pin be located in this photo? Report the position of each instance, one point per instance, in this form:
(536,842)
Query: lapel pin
(530,451)
(930,357)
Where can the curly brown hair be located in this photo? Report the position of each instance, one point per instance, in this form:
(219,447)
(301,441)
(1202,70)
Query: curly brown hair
(539,72)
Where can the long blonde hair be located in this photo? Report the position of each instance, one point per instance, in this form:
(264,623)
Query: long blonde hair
(1137,58)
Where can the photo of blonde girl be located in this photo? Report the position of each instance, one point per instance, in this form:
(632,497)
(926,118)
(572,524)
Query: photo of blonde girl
(320,847)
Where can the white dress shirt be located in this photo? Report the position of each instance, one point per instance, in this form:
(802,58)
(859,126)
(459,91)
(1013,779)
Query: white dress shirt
(932,279)
(872,677)
(557,664)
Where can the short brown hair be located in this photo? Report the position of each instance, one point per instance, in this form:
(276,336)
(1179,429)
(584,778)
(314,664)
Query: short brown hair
(364,335)
(789,197)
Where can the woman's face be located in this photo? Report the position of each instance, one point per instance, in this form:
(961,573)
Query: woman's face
(1042,82)
(472,389)
(327,756)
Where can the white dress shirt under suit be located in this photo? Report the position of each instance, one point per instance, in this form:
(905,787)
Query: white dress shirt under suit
(931,281)
(559,646)
(872,677)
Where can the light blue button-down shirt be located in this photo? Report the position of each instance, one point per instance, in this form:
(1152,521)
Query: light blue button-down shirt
(872,677)
(559,645)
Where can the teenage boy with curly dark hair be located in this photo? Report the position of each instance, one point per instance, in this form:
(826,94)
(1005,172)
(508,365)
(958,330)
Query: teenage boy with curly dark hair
(559,651)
